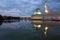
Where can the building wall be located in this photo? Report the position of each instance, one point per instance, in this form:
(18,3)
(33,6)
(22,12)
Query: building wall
(46,17)
(37,17)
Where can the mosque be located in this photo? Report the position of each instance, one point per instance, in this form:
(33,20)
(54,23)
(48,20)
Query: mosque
(47,15)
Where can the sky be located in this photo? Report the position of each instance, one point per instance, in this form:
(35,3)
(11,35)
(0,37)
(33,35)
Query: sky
(25,8)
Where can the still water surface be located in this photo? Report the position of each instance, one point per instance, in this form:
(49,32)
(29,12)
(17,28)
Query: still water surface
(30,30)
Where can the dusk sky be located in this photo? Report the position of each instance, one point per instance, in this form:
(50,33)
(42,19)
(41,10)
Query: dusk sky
(24,8)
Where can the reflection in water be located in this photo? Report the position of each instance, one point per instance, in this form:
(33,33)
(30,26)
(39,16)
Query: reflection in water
(45,31)
(8,21)
(30,30)
(51,29)
(37,26)
(22,30)
(1,22)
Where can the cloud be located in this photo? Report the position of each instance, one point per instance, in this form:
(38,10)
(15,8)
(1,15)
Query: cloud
(25,7)
(12,12)
(54,5)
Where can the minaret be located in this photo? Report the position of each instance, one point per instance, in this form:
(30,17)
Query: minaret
(37,11)
(46,9)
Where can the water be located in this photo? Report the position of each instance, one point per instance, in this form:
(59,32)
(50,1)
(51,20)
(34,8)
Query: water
(30,30)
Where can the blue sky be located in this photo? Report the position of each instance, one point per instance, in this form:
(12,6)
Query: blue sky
(24,8)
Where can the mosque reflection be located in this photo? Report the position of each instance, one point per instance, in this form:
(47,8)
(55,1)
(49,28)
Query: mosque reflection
(47,25)
(37,24)
(45,31)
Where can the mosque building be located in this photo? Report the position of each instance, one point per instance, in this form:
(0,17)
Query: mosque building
(47,15)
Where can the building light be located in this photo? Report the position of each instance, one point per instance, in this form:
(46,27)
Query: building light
(37,13)
(46,11)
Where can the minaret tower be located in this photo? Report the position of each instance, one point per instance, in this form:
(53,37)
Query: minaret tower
(46,9)
(37,11)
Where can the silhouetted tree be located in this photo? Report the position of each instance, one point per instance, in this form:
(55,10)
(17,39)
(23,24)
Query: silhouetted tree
(1,18)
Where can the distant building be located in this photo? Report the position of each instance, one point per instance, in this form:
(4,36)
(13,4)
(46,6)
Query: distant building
(47,15)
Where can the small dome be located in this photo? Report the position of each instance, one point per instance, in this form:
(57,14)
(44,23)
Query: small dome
(37,11)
